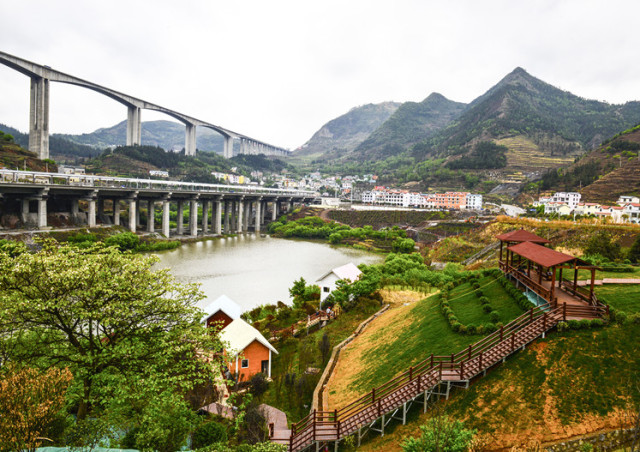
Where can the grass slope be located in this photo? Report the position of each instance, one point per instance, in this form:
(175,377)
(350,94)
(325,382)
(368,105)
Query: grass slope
(468,308)
(402,337)
(570,383)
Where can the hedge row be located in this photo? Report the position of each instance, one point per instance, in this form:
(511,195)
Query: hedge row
(623,317)
(471,328)
(520,298)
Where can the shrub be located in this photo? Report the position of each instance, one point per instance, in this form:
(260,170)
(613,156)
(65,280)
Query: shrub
(621,317)
(475,285)
(494,316)
(489,327)
(441,434)
(259,385)
(562,326)
(455,326)
(484,300)
(471,328)
(207,434)
(124,241)
(487,308)
(479,293)
(480,329)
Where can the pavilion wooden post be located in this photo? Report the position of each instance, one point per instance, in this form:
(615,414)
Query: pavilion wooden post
(539,274)
(560,278)
(593,281)
(500,260)
(553,283)
(575,278)
(529,269)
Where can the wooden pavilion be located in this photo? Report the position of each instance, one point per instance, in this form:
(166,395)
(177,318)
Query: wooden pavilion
(541,269)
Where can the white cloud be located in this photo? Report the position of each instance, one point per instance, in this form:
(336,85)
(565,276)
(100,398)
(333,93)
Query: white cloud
(278,70)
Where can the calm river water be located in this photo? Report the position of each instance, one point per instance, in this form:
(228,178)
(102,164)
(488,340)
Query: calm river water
(254,270)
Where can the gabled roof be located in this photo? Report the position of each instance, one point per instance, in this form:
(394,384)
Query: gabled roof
(520,235)
(540,255)
(239,334)
(224,304)
(348,271)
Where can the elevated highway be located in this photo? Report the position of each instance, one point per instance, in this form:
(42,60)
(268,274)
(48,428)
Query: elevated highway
(39,113)
(37,197)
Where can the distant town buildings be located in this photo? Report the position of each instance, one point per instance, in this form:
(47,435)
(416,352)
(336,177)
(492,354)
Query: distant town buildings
(404,198)
(158,173)
(626,210)
(231,178)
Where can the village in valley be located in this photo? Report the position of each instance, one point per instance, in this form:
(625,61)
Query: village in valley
(319,226)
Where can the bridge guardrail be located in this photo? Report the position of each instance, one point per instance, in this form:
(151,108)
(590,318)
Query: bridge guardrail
(8,176)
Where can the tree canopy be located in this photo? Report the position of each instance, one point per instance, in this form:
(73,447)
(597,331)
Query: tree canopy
(124,330)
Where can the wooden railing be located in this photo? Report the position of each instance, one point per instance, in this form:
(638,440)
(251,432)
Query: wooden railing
(533,285)
(326,426)
(580,292)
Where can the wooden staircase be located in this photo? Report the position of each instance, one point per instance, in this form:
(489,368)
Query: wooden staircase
(429,380)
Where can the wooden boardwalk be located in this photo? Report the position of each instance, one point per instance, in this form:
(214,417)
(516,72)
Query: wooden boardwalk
(431,379)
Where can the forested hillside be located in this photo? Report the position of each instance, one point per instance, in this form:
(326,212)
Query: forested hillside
(344,133)
(60,148)
(137,161)
(517,130)
(165,134)
(410,124)
(603,174)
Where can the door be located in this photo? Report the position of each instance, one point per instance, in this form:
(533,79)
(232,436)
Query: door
(265,367)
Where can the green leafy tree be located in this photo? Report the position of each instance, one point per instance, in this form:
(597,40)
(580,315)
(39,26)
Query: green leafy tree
(125,331)
(603,244)
(634,252)
(441,434)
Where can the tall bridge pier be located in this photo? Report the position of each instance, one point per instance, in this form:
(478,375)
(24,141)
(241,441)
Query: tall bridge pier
(39,112)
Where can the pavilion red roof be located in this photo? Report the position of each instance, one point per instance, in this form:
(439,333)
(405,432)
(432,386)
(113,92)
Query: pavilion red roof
(521,235)
(540,255)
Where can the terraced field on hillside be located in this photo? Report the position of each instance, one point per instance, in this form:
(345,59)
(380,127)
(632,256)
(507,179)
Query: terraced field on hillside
(525,155)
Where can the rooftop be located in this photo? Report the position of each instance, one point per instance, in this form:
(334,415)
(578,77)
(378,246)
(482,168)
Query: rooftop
(520,235)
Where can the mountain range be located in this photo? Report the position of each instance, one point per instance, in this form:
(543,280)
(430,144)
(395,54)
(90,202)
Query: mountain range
(536,125)
(344,133)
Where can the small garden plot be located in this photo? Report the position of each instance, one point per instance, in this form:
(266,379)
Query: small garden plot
(621,297)
(466,301)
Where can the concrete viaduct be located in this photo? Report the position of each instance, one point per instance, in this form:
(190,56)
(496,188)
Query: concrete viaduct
(39,198)
(39,113)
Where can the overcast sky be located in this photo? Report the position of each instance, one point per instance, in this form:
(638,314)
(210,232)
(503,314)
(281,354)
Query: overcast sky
(278,70)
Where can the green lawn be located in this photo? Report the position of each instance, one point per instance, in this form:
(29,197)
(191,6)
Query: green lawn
(427,333)
(586,274)
(623,297)
(563,380)
(468,308)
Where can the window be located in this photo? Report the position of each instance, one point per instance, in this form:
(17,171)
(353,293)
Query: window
(326,289)
(245,363)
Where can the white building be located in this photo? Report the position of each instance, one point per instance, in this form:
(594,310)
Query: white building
(328,281)
(625,199)
(632,211)
(474,202)
(570,198)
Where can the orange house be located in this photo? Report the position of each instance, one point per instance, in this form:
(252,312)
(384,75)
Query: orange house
(252,352)
(249,352)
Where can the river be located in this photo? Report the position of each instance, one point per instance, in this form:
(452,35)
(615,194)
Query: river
(254,270)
